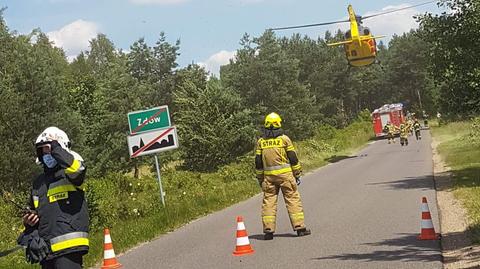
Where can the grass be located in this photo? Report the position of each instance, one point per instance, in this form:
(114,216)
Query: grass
(131,208)
(461,151)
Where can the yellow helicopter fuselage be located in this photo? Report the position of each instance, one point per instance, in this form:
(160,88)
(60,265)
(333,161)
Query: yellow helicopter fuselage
(360,46)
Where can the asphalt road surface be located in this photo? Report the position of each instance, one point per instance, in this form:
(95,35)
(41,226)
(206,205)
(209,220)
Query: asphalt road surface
(363,210)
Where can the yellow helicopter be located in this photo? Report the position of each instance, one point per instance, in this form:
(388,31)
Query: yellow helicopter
(359,44)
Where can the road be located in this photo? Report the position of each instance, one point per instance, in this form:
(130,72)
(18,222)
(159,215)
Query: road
(364,212)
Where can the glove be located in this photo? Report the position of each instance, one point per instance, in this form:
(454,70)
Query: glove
(298,181)
(36,249)
(54,144)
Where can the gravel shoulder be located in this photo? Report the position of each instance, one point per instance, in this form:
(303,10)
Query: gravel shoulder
(457,249)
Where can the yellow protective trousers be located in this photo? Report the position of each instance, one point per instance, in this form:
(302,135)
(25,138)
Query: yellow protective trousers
(271,186)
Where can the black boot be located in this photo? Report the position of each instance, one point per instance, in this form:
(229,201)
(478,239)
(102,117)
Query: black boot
(268,236)
(303,232)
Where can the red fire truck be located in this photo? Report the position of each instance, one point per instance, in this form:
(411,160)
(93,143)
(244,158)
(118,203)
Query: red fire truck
(387,113)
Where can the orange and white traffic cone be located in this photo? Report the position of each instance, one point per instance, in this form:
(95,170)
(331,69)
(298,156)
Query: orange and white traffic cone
(243,244)
(109,260)
(427,230)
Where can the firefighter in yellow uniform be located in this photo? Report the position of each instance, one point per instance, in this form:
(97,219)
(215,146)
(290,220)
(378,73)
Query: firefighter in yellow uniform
(390,129)
(409,126)
(404,131)
(278,168)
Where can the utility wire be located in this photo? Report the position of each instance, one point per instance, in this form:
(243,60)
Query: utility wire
(308,25)
(342,21)
(400,9)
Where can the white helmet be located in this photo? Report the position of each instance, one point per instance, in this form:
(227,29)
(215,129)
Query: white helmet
(53,133)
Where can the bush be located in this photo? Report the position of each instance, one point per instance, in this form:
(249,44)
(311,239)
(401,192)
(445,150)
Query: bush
(474,135)
(213,128)
(119,197)
(325,132)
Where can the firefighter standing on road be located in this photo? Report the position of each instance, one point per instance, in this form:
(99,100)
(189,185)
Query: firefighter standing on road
(404,131)
(409,126)
(416,127)
(425,118)
(390,130)
(56,233)
(278,168)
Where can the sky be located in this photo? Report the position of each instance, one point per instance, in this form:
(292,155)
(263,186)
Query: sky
(209,30)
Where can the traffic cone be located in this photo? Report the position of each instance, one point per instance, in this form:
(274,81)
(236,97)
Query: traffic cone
(243,244)
(427,230)
(109,260)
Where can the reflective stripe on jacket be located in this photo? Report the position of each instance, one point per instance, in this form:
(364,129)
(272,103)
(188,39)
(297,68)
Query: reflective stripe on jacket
(275,156)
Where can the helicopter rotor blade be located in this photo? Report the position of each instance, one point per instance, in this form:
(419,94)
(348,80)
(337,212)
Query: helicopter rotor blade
(307,25)
(396,10)
(342,21)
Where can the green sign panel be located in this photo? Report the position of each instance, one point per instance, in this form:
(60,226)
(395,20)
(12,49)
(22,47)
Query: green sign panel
(147,120)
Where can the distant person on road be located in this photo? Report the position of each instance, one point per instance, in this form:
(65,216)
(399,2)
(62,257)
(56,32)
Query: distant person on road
(425,118)
(417,127)
(409,126)
(439,118)
(56,231)
(278,168)
(404,131)
(390,129)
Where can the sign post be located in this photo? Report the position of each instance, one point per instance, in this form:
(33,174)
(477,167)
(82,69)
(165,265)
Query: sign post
(159,180)
(151,132)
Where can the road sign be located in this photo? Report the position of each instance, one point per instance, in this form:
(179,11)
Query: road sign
(147,120)
(152,142)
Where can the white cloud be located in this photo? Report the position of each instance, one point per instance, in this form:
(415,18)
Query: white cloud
(213,63)
(74,37)
(157,2)
(394,23)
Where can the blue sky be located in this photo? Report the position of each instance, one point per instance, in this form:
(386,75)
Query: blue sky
(209,30)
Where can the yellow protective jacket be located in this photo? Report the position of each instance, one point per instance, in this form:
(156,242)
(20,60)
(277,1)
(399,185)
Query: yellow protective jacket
(390,128)
(404,132)
(409,125)
(275,155)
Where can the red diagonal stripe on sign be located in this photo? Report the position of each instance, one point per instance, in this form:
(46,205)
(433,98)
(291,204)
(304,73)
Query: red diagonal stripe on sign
(149,119)
(140,150)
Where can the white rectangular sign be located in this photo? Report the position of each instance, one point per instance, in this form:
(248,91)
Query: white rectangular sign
(152,142)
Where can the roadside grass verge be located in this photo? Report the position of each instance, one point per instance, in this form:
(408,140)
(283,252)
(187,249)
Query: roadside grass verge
(132,210)
(460,148)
